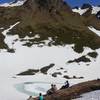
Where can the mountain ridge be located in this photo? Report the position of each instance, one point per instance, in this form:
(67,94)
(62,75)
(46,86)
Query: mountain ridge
(55,20)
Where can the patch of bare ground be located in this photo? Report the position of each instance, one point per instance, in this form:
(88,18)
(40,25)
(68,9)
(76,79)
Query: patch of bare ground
(43,70)
(84,58)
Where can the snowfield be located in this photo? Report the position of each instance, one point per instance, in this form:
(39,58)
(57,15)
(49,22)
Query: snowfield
(95,9)
(80,11)
(18,3)
(14,87)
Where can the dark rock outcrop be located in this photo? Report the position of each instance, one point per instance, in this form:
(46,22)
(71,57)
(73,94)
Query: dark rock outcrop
(29,72)
(88,12)
(56,73)
(46,68)
(93,54)
(2,43)
(74,77)
(80,59)
(43,70)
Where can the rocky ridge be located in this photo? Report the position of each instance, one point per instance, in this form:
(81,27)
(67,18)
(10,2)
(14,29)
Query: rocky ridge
(50,19)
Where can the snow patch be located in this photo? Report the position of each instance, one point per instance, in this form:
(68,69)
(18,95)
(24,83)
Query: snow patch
(95,9)
(80,11)
(18,3)
(94,30)
(8,39)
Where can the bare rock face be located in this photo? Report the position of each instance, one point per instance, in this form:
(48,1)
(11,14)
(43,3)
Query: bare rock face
(88,12)
(50,5)
(98,15)
(2,44)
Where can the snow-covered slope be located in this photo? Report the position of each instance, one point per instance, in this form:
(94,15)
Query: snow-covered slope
(35,57)
(95,9)
(80,11)
(18,3)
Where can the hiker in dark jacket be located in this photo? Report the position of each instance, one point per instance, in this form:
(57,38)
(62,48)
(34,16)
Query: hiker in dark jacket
(66,85)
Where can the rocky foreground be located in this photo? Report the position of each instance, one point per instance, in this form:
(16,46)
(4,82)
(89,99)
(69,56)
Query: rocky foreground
(74,91)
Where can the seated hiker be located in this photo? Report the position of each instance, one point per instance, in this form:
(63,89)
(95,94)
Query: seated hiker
(30,98)
(41,96)
(52,90)
(55,88)
(66,85)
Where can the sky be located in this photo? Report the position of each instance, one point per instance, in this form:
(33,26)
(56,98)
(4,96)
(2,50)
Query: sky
(73,3)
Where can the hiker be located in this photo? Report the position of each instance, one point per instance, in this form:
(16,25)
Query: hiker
(66,85)
(41,96)
(52,90)
(30,98)
(55,88)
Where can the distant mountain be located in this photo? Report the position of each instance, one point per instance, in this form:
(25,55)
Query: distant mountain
(84,6)
(51,18)
(98,15)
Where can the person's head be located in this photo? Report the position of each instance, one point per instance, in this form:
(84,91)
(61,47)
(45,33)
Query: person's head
(30,97)
(52,85)
(66,81)
(40,94)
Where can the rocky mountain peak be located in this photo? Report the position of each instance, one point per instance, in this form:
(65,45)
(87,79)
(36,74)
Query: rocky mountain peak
(86,5)
(46,4)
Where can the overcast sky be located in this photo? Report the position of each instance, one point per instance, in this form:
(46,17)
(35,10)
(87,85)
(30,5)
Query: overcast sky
(73,3)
